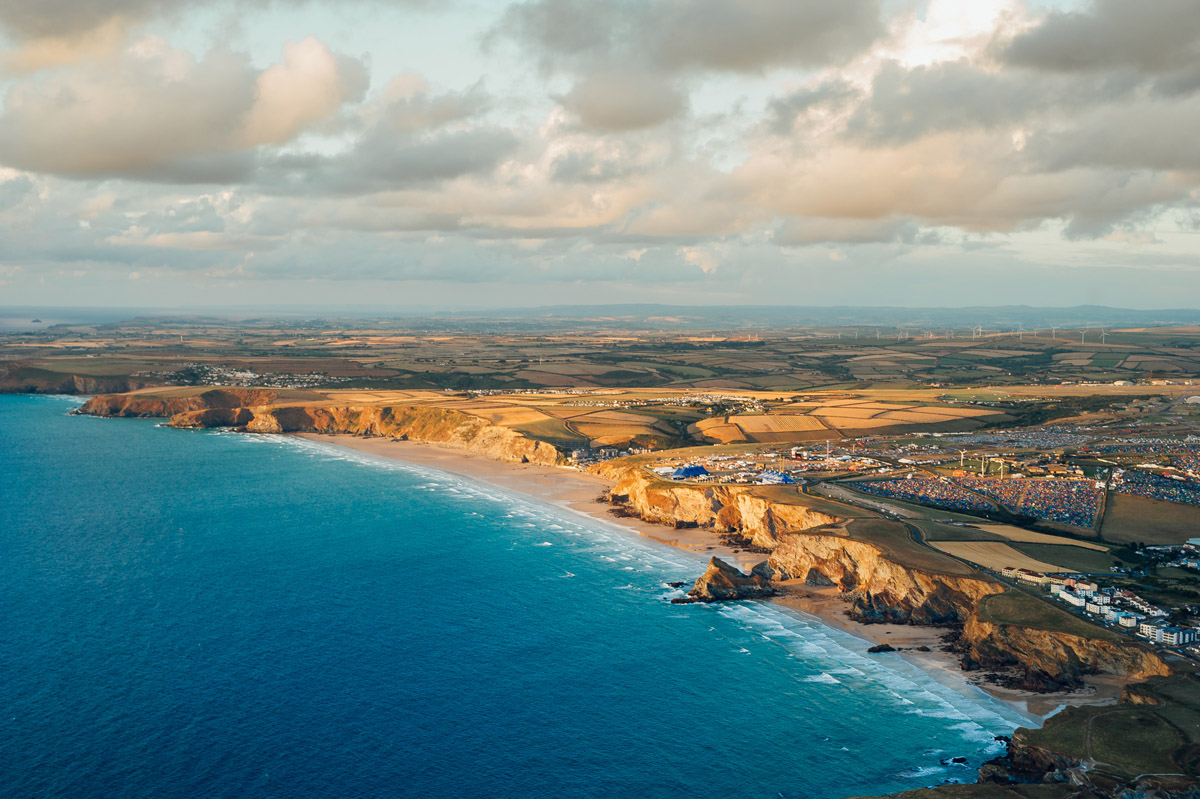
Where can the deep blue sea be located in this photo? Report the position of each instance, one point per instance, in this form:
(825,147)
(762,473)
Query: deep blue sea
(211,614)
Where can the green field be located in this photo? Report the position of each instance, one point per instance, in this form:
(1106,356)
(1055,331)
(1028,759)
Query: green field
(1128,518)
(1156,735)
(1025,610)
(937,531)
(1067,556)
(895,539)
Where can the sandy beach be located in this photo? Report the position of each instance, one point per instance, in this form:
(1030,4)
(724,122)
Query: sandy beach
(579,492)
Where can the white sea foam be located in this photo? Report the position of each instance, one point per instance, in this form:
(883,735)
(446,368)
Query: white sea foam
(823,677)
(834,652)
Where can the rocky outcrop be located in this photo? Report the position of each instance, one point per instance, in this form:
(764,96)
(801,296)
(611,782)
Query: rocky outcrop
(17,378)
(251,410)
(1053,660)
(804,544)
(881,589)
(722,582)
(723,508)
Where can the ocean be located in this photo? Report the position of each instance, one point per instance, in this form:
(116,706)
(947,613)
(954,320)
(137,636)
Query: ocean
(212,614)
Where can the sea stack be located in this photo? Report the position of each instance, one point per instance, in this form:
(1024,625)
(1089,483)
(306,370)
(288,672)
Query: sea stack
(722,582)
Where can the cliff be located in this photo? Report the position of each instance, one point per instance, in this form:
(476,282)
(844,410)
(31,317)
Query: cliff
(16,378)
(1051,658)
(168,405)
(810,545)
(882,589)
(724,508)
(250,410)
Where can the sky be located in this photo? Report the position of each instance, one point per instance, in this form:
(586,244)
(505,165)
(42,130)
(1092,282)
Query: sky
(466,154)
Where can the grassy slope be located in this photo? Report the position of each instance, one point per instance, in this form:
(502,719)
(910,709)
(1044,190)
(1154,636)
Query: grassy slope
(1128,518)
(1025,610)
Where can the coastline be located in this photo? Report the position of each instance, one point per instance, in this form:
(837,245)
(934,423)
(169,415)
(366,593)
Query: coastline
(579,492)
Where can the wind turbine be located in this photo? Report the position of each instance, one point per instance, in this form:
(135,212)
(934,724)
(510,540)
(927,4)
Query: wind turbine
(1103,335)
(1054,332)
(1082,334)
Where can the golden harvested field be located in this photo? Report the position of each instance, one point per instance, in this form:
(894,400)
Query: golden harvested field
(961,413)
(776,423)
(618,417)
(850,423)
(560,412)
(847,411)
(993,555)
(1030,537)
(917,417)
(725,433)
(510,416)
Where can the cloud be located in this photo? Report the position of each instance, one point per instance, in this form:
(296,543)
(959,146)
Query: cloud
(309,86)
(156,113)
(740,36)
(411,137)
(34,19)
(1155,36)
(630,60)
(799,231)
(14,190)
(624,99)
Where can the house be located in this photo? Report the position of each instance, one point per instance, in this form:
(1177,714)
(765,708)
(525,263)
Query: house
(1131,620)
(1031,577)
(1072,599)
(1094,607)
(1149,629)
(1177,636)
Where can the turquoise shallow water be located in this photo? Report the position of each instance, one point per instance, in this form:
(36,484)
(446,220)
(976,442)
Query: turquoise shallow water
(208,614)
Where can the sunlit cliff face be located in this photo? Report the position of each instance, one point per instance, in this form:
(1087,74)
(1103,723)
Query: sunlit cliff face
(698,151)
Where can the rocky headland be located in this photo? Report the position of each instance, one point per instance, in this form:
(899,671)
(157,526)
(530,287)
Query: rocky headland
(722,582)
(256,411)
(804,544)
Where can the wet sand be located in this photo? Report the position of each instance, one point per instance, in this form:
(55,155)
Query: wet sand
(579,492)
(567,488)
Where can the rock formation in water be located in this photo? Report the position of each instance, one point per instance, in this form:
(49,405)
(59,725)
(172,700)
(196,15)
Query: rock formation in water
(804,544)
(722,582)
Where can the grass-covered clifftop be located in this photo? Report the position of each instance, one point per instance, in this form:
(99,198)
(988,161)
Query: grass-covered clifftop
(265,411)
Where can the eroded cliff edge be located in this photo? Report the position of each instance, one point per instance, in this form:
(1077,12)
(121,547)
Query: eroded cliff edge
(252,410)
(883,580)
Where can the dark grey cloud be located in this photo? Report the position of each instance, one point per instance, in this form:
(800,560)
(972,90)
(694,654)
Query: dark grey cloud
(415,139)
(830,96)
(1151,36)
(623,99)
(656,46)
(42,18)
(34,19)
(744,36)
(906,104)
